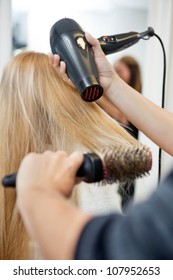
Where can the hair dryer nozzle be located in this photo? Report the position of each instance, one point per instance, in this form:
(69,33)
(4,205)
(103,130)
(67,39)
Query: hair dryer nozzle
(90,89)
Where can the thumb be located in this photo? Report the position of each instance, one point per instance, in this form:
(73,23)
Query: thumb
(95,45)
(75,160)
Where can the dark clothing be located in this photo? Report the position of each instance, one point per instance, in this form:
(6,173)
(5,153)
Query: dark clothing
(127,189)
(145,233)
(134,130)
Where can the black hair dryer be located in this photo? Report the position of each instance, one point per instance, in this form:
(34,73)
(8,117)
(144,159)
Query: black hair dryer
(67,39)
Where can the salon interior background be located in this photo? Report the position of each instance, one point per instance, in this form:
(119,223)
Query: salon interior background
(28,22)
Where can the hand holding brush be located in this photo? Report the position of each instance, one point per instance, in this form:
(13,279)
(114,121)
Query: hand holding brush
(118,164)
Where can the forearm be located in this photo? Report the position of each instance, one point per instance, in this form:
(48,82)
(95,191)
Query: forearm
(111,110)
(57,236)
(153,121)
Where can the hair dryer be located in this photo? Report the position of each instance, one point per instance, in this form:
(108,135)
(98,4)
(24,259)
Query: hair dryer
(67,39)
(115,43)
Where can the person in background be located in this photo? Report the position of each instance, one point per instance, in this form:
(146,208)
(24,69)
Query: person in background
(128,69)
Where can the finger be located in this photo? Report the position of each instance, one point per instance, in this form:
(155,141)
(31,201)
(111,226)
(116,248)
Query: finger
(95,44)
(75,160)
(64,74)
(70,83)
(29,158)
(58,159)
(26,166)
(78,180)
(62,68)
(56,62)
(60,154)
(51,58)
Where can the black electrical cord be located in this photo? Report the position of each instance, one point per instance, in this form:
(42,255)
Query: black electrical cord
(164,70)
(163,98)
(163,93)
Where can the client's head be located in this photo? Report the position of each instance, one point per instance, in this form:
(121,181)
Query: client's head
(38,112)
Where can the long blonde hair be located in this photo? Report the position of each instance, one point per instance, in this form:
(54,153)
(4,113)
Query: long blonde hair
(38,111)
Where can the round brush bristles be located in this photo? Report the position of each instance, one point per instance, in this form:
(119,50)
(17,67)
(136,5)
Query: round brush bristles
(126,163)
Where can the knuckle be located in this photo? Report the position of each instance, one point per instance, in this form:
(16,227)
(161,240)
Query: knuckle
(61,153)
(47,153)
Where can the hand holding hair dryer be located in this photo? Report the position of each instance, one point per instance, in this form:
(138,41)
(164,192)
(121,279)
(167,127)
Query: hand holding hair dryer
(67,39)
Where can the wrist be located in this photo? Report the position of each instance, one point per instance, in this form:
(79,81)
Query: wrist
(113,89)
(52,222)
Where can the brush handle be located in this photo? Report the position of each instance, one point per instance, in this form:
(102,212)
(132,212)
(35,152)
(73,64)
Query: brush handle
(9,180)
(91,170)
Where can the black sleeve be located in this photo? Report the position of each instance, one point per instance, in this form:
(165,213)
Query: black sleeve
(145,233)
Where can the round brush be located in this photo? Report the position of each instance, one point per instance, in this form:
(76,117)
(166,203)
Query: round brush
(122,163)
(118,164)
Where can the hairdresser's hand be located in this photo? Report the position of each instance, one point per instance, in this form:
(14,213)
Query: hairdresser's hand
(60,68)
(106,72)
(50,219)
(51,171)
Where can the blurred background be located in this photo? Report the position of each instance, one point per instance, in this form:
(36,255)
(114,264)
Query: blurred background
(25,25)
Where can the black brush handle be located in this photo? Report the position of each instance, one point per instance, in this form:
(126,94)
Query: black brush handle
(91,170)
(9,180)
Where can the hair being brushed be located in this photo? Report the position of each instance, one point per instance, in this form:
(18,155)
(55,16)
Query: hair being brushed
(38,112)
